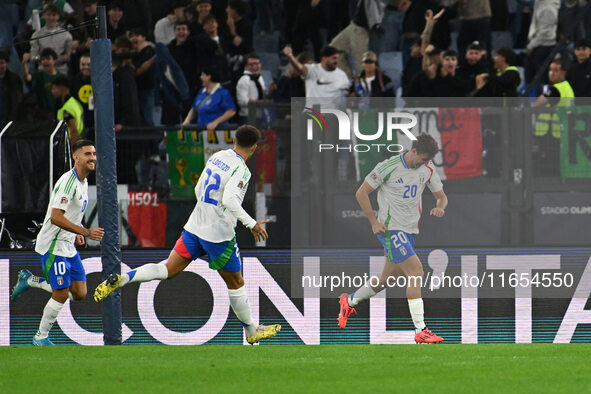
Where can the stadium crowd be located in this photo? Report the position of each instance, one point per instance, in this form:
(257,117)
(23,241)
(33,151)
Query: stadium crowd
(202,61)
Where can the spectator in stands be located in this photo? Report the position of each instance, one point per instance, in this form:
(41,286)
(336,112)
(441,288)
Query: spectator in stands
(183,50)
(239,27)
(371,81)
(251,85)
(541,37)
(506,80)
(69,109)
(191,16)
(210,50)
(214,105)
(302,24)
(115,25)
(546,146)
(475,64)
(11,91)
(412,67)
(567,15)
(324,79)
(474,23)
(447,83)
(355,37)
(138,13)
(81,89)
(164,28)
(127,109)
(40,82)
(203,8)
(579,74)
(61,43)
(143,61)
(423,83)
(83,37)
(291,84)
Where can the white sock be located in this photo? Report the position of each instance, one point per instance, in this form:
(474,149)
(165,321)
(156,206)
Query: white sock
(362,294)
(241,307)
(40,283)
(145,273)
(415,306)
(50,312)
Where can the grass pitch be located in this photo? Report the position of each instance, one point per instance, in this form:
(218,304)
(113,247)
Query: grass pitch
(300,369)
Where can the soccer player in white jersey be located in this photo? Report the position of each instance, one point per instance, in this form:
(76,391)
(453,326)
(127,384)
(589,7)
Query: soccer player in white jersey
(210,230)
(64,275)
(400,182)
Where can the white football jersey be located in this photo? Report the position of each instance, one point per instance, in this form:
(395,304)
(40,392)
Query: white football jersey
(220,191)
(399,192)
(69,195)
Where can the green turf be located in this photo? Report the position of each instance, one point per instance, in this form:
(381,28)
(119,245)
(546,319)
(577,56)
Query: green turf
(326,368)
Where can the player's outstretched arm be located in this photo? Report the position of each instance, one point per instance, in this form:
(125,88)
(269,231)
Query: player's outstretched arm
(362,196)
(439,209)
(59,219)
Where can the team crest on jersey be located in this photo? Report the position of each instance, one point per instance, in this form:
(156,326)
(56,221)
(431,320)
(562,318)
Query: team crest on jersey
(60,280)
(240,185)
(64,200)
(403,250)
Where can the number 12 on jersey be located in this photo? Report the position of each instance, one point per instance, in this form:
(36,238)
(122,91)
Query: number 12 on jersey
(209,187)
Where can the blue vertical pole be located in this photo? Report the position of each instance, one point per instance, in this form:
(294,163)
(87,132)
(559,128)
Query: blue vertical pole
(108,210)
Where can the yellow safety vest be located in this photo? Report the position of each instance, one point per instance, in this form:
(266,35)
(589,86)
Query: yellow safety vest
(74,108)
(549,121)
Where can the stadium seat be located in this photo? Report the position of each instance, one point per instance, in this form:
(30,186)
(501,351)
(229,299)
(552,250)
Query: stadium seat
(266,42)
(391,65)
(501,39)
(267,76)
(270,61)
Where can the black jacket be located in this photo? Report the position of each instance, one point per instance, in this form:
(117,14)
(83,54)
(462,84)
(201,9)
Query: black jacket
(12,95)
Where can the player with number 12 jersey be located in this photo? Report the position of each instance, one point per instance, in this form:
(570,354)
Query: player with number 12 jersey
(210,231)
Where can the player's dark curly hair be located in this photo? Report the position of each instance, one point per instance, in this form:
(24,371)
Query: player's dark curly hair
(426,144)
(247,136)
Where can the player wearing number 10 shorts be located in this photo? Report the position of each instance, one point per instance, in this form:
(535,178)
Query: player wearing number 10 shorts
(210,231)
(400,182)
(64,275)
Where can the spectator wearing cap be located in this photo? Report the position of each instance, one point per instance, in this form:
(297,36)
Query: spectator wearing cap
(355,37)
(474,18)
(239,41)
(143,61)
(210,50)
(61,43)
(11,91)
(164,28)
(541,37)
(203,8)
(371,81)
(475,63)
(506,80)
(40,82)
(69,109)
(579,73)
(115,26)
(251,85)
(324,79)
